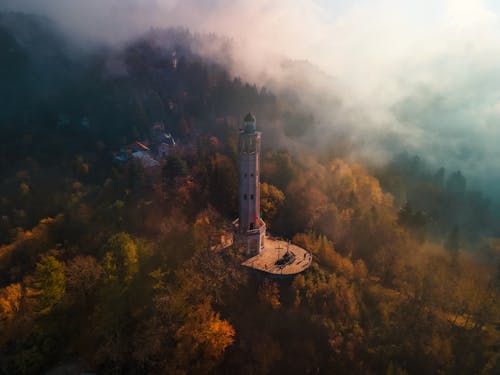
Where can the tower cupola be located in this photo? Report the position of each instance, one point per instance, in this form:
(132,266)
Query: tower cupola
(250,126)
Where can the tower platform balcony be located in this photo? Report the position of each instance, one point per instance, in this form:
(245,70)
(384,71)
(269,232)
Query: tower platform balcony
(280,258)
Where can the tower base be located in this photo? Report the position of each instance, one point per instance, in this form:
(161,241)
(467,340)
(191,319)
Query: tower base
(253,241)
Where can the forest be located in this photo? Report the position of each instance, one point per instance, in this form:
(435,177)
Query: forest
(108,267)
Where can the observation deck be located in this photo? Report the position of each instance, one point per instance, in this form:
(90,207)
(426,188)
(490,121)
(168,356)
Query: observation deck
(280,257)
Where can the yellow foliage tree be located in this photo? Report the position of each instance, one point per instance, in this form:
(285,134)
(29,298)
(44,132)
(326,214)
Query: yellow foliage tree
(120,261)
(271,200)
(49,284)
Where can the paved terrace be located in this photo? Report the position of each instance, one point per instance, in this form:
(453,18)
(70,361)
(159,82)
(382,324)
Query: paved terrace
(272,258)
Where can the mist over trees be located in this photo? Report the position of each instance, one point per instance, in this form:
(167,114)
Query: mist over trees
(108,268)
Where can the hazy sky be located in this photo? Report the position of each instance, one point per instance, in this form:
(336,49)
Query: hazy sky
(423,73)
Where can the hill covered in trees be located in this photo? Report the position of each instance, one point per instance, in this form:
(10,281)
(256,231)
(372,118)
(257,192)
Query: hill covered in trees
(109,267)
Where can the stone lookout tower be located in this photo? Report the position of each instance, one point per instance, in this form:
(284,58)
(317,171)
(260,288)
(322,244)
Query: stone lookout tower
(250,229)
(272,256)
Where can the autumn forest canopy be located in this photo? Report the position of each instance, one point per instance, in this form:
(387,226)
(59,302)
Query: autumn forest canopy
(109,259)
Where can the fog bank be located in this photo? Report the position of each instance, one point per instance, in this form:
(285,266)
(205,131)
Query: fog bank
(401,76)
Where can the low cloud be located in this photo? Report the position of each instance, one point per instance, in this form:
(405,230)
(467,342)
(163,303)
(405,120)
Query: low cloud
(398,75)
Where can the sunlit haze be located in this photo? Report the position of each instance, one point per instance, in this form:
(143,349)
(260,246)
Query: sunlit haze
(424,73)
(250,187)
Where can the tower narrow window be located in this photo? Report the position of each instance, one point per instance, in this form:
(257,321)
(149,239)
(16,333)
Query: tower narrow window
(251,196)
(251,174)
(244,196)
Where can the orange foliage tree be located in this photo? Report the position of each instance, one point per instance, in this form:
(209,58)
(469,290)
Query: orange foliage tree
(202,339)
